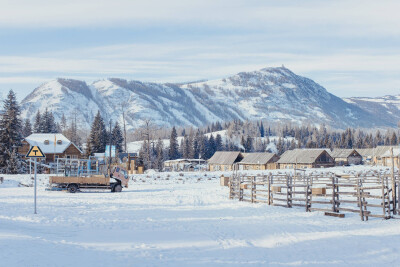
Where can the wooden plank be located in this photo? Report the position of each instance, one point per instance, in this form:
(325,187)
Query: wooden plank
(334,214)
(321,202)
(279,205)
(320,209)
(349,210)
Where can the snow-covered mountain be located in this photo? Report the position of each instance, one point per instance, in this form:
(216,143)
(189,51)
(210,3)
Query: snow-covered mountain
(274,94)
(387,107)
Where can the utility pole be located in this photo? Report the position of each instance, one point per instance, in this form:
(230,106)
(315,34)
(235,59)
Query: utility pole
(109,155)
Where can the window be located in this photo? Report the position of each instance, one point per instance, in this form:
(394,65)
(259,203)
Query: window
(59,142)
(46,142)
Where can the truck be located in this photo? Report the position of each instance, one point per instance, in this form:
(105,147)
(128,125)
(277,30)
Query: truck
(117,179)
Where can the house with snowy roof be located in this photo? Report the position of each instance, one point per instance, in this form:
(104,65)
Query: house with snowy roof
(259,161)
(391,157)
(343,156)
(306,158)
(53,145)
(224,160)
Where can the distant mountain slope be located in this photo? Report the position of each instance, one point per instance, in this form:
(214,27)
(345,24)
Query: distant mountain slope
(274,94)
(387,107)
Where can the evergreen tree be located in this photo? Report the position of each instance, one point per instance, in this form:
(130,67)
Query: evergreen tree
(262,130)
(218,143)
(249,144)
(117,137)
(27,128)
(37,124)
(159,154)
(173,152)
(10,136)
(211,148)
(98,135)
(196,145)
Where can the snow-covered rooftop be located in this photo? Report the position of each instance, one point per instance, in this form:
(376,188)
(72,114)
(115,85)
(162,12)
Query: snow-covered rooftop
(49,143)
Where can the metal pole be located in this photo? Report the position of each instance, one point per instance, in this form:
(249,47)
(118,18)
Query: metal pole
(35,185)
(109,166)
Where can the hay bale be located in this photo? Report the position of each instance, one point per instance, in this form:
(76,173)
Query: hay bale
(276,189)
(318,191)
(224,181)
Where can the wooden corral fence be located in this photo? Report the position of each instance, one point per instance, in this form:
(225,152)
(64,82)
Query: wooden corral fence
(370,194)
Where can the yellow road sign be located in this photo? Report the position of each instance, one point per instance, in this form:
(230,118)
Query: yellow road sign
(35,152)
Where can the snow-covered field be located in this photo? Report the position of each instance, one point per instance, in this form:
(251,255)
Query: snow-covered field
(183,221)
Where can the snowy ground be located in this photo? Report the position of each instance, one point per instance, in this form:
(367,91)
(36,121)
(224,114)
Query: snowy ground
(179,222)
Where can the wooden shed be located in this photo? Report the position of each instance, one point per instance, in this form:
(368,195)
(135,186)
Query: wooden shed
(306,158)
(346,157)
(224,160)
(259,161)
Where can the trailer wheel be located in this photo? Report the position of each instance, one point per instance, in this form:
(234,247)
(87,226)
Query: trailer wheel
(117,188)
(72,188)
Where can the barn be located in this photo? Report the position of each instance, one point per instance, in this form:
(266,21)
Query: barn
(52,145)
(259,161)
(346,157)
(306,158)
(224,160)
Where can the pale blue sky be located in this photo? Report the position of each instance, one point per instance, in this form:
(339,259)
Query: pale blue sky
(352,48)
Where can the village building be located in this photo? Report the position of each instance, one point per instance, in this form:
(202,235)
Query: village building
(306,158)
(259,161)
(224,160)
(52,145)
(387,158)
(374,156)
(344,157)
(184,165)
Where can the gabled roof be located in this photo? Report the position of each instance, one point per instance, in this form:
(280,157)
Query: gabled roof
(257,158)
(225,157)
(378,151)
(343,152)
(46,142)
(396,153)
(301,156)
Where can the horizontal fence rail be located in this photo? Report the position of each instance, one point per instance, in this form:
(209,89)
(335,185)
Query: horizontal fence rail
(370,194)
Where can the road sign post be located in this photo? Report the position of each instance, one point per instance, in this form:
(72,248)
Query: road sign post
(35,152)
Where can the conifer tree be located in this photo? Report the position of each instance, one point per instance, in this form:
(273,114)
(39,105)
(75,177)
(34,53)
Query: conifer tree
(159,154)
(98,135)
(218,143)
(173,145)
(27,128)
(117,137)
(10,135)
(262,130)
(38,121)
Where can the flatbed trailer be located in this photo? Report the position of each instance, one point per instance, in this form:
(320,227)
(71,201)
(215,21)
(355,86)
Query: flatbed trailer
(74,184)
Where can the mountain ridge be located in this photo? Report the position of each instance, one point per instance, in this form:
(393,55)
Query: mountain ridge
(275,94)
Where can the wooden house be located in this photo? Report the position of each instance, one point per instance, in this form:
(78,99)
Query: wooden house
(373,156)
(346,157)
(387,158)
(184,164)
(259,161)
(306,158)
(224,160)
(52,145)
